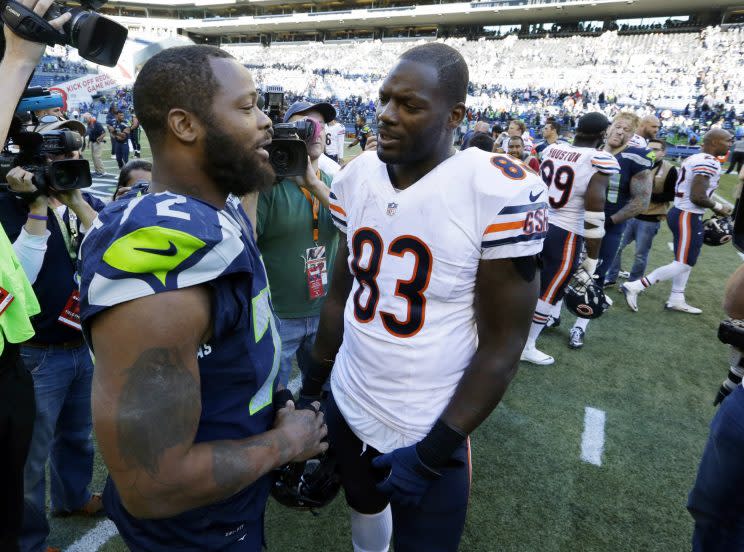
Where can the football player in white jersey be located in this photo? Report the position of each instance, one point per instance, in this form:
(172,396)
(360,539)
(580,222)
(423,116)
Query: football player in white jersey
(577,177)
(424,325)
(335,133)
(647,130)
(698,179)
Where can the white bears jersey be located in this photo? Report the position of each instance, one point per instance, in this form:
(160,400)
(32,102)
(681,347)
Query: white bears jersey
(638,141)
(700,163)
(567,170)
(409,324)
(334,139)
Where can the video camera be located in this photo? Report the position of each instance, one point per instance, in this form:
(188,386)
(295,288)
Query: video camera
(31,150)
(97,38)
(288,151)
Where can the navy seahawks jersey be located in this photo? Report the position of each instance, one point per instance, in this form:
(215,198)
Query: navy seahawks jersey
(632,161)
(163,242)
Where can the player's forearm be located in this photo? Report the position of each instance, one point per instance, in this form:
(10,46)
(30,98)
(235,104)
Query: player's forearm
(207,473)
(482,387)
(330,330)
(633,208)
(593,246)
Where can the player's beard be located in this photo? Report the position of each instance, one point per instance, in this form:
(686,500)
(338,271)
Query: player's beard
(234,169)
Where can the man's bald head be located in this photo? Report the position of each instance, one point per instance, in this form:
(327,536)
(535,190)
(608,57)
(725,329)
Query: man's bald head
(649,127)
(717,142)
(482,126)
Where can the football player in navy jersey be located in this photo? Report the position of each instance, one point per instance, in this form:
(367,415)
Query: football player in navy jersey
(176,307)
(628,195)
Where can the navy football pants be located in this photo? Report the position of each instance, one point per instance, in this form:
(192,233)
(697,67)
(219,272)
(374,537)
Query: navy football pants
(435,525)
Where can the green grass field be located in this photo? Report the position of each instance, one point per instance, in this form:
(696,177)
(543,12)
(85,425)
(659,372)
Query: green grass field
(654,373)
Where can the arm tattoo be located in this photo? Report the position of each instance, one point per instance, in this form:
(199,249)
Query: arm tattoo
(640,195)
(159,408)
(230,463)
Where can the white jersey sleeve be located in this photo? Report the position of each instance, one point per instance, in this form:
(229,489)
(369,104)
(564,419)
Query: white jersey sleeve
(605,163)
(513,225)
(700,164)
(337,198)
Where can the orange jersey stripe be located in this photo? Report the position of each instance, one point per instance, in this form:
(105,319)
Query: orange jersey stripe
(337,209)
(502,226)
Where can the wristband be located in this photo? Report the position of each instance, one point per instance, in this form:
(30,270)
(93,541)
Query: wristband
(281,397)
(717,206)
(38,217)
(436,449)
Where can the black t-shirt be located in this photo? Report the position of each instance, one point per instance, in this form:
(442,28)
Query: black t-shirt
(56,281)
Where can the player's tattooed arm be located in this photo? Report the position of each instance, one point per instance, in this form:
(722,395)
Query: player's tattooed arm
(147,406)
(640,195)
(499,289)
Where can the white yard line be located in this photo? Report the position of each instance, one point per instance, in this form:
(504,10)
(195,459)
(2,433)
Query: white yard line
(670,245)
(592,440)
(95,538)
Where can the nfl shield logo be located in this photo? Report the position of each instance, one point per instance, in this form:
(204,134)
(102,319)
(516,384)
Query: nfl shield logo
(392,208)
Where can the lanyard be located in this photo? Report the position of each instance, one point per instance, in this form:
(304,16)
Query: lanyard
(68,234)
(315,204)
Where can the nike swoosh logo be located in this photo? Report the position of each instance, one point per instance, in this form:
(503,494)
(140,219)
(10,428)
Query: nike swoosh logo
(534,198)
(170,252)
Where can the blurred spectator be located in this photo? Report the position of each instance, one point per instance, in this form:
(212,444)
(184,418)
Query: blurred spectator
(96,135)
(57,357)
(298,242)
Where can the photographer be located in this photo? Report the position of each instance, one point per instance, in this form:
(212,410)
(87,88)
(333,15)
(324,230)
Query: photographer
(298,242)
(135,174)
(56,355)
(18,305)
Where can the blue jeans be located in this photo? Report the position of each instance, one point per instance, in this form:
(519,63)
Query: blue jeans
(643,233)
(298,338)
(716,502)
(62,433)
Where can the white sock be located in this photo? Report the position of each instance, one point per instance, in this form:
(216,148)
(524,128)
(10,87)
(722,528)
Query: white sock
(556,312)
(666,272)
(539,319)
(371,532)
(679,283)
(581,323)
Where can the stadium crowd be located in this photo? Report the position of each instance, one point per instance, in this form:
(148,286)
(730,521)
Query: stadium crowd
(202,231)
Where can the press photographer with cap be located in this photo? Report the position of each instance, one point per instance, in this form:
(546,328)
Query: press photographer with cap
(46,229)
(298,241)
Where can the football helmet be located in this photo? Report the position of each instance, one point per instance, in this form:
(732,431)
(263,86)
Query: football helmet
(717,230)
(585,297)
(307,485)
